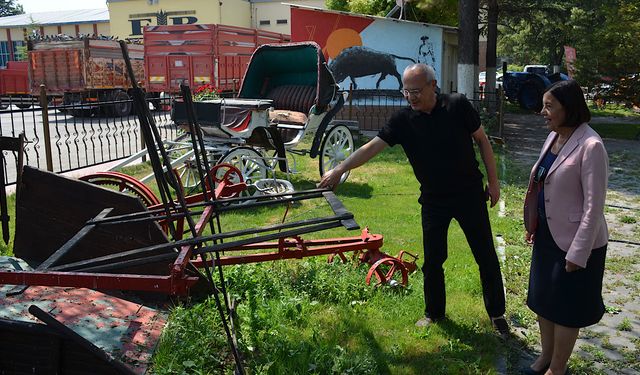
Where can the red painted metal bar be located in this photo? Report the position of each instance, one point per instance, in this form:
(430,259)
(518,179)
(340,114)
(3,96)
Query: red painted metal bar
(104,281)
(181,262)
(297,249)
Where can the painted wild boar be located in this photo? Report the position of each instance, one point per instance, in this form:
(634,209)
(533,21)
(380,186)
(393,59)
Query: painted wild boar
(361,61)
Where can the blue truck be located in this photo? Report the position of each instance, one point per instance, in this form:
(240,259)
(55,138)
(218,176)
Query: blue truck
(527,87)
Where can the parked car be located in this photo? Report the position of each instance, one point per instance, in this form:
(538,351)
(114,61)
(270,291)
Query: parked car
(482,78)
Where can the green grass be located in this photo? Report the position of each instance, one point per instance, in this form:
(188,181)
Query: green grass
(609,110)
(625,325)
(618,131)
(515,108)
(612,110)
(307,316)
(312,317)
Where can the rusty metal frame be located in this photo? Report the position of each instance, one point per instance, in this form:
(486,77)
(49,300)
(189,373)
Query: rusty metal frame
(90,273)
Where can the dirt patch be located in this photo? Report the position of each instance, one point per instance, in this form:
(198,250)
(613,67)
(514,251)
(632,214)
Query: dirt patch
(613,345)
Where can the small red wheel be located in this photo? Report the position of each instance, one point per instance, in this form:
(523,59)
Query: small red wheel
(228,179)
(388,271)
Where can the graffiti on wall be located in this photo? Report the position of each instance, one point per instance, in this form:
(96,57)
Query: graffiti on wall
(368,52)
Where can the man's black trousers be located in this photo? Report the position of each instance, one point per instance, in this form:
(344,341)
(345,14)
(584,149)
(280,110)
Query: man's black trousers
(470,211)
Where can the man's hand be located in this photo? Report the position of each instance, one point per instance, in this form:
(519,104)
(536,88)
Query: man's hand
(493,193)
(530,237)
(331,179)
(570,266)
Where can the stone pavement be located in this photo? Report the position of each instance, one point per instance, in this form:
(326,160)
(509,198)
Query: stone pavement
(613,345)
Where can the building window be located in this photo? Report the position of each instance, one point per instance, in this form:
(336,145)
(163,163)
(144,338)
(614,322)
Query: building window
(265,22)
(4,53)
(20,50)
(281,22)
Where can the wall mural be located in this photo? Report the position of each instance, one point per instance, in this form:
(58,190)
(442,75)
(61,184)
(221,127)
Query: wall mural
(368,52)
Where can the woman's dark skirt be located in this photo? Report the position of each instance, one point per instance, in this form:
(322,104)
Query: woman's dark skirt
(570,299)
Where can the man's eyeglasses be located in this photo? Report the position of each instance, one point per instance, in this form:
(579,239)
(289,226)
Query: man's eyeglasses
(414,92)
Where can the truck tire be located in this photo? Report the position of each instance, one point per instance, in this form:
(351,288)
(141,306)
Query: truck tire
(530,96)
(121,109)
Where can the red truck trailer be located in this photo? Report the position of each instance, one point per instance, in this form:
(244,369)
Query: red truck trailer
(200,54)
(14,85)
(85,71)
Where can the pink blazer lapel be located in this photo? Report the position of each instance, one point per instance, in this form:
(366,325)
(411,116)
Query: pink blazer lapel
(572,143)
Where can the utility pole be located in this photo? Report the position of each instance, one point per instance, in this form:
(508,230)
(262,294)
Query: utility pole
(467,47)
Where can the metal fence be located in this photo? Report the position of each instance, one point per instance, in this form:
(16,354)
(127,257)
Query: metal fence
(372,109)
(70,137)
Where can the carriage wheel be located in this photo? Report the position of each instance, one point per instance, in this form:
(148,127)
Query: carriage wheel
(251,165)
(337,145)
(389,271)
(188,171)
(124,184)
(130,185)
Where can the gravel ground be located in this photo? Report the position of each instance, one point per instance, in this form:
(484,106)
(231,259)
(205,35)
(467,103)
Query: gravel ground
(613,345)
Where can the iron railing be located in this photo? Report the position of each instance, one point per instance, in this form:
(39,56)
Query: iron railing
(373,108)
(64,138)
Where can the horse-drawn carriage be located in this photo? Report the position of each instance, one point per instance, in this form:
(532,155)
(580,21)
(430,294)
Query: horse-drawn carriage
(286,105)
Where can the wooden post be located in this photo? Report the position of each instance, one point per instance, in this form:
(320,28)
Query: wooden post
(350,97)
(500,98)
(45,125)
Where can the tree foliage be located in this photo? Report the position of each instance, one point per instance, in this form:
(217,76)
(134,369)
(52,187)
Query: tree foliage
(604,33)
(441,12)
(10,8)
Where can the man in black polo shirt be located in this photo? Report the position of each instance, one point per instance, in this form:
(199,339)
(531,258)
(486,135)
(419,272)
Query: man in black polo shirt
(437,134)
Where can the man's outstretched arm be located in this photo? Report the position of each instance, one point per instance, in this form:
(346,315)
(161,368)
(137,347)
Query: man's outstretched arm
(361,156)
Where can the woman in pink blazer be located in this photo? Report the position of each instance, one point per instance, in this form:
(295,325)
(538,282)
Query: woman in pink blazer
(564,219)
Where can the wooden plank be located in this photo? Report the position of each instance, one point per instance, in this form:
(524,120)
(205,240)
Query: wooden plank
(52,209)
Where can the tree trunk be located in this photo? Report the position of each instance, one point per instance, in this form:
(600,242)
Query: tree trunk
(468,47)
(492,41)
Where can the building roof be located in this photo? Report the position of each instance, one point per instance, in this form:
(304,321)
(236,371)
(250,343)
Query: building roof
(60,17)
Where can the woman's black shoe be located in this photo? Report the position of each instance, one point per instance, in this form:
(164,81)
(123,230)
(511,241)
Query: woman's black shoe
(529,371)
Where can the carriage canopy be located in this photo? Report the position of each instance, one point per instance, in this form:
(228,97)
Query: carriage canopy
(292,64)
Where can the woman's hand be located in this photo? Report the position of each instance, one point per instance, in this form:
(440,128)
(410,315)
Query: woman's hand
(530,237)
(570,266)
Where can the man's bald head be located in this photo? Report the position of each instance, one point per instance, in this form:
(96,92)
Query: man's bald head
(421,69)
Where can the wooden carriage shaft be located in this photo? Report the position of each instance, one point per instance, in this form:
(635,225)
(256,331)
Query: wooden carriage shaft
(153,215)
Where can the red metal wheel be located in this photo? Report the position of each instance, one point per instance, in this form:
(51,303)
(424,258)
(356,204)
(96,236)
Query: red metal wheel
(125,184)
(228,180)
(389,271)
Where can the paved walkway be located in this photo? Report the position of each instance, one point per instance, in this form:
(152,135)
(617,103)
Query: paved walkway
(613,345)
